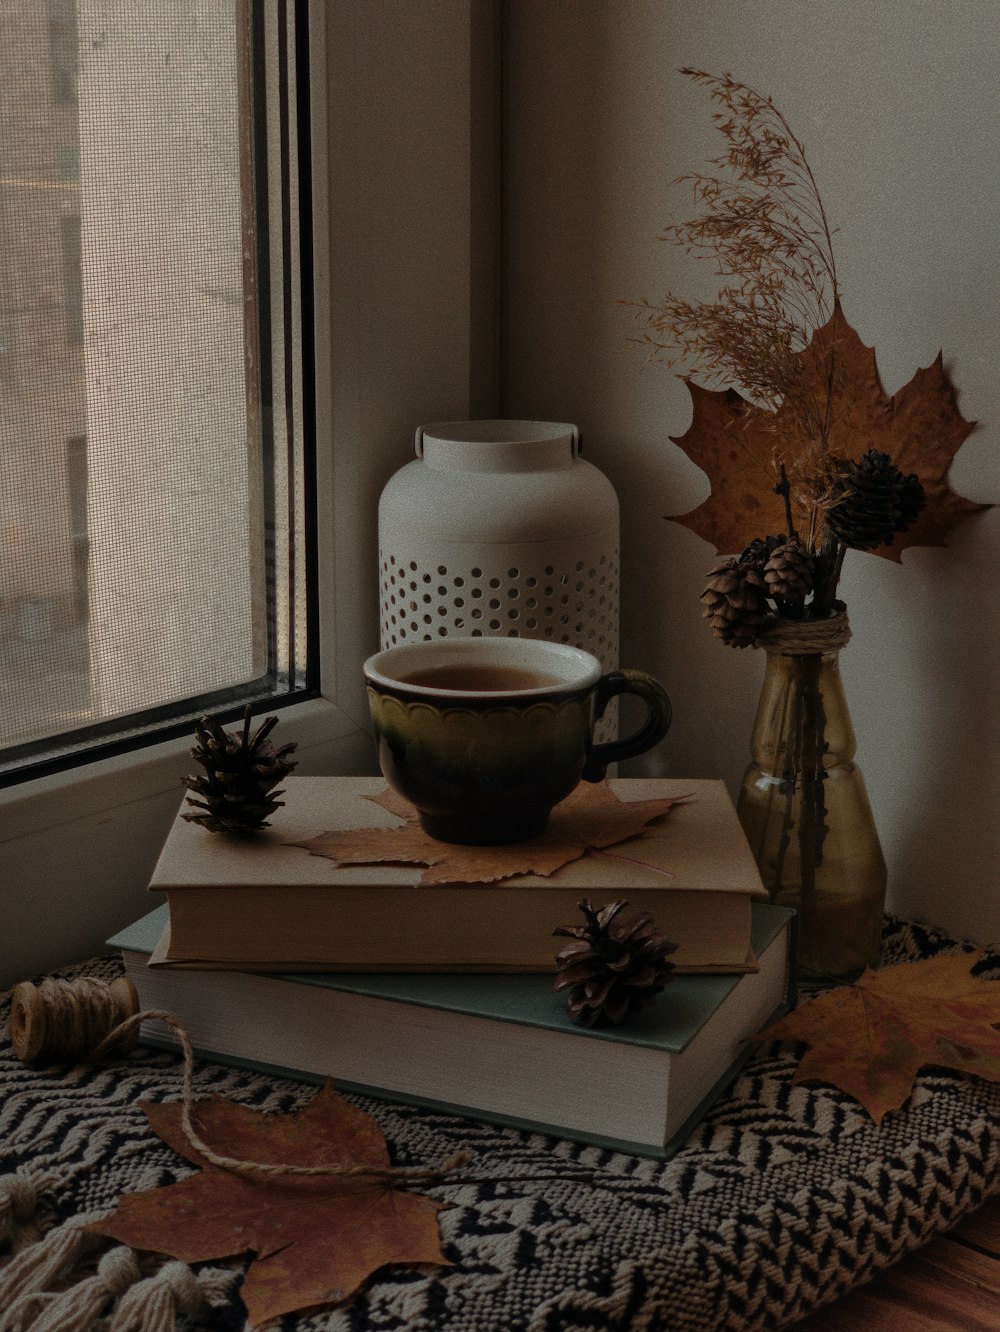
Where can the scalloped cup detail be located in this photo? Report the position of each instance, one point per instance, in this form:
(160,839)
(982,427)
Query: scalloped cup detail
(485,765)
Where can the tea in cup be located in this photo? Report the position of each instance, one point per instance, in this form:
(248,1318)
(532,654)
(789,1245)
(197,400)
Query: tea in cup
(484,735)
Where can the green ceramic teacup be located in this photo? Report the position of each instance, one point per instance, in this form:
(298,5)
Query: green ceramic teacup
(485,735)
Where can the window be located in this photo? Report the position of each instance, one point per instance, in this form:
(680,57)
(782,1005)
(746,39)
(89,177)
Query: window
(154,376)
(405,153)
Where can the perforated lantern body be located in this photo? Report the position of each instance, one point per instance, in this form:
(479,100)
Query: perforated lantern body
(500,528)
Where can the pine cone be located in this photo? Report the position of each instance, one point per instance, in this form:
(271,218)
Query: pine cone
(241,772)
(759,551)
(735,601)
(873,501)
(788,573)
(613,967)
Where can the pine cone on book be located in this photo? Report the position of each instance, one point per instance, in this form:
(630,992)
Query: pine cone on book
(613,967)
(242,771)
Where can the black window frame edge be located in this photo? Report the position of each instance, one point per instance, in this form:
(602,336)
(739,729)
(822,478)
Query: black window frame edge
(88,745)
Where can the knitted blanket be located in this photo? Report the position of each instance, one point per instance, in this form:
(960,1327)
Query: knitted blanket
(783,1199)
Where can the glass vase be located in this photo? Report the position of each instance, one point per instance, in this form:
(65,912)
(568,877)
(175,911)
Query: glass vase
(805,811)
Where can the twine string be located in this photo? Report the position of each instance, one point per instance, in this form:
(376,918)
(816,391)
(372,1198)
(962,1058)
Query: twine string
(80,1025)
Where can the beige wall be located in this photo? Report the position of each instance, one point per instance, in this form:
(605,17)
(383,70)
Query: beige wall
(897,106)
(409,332)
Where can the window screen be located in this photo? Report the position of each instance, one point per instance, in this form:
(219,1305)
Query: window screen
(152,451)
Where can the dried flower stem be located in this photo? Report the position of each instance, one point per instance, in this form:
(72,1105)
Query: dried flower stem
(771,240)
(785,491)
(763,222)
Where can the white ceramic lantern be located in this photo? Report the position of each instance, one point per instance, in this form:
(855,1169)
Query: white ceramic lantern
(500,528)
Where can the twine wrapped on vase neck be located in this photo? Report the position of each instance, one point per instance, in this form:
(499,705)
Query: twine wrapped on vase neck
(805,638)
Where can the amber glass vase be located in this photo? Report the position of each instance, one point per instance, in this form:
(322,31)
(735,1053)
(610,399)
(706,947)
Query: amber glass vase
(805,811)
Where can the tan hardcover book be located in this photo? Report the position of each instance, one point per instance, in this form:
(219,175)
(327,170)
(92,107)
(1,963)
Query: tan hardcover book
(265,904)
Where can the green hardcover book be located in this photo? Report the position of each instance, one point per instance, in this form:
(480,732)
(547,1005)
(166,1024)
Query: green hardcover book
(499,1048)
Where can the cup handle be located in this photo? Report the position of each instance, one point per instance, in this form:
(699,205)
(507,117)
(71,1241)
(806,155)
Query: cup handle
(653,730)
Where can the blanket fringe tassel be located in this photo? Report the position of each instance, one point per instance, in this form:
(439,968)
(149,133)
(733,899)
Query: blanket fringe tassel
(21,1219)
(37,1288)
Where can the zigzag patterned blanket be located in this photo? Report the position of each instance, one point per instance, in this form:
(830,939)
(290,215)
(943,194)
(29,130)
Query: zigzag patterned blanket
(781,1201)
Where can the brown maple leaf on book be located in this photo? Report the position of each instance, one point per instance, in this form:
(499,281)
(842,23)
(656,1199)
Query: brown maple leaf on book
(591,818)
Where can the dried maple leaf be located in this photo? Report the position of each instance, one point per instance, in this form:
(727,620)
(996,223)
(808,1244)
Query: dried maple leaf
(591,817)
(871,1039)
(736,442)
(315,1239)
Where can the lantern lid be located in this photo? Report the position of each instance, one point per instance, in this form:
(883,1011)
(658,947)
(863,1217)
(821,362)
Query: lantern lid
(497,445)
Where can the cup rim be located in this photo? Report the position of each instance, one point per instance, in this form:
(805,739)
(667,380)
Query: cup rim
(529,653)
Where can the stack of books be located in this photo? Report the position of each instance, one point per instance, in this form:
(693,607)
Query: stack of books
(431,994)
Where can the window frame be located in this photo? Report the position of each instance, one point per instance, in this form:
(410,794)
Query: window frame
(405,153)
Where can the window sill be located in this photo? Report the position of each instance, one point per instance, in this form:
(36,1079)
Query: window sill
(317,726)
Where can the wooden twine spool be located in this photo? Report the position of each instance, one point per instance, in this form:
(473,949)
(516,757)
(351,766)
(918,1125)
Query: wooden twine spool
(65,1021)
